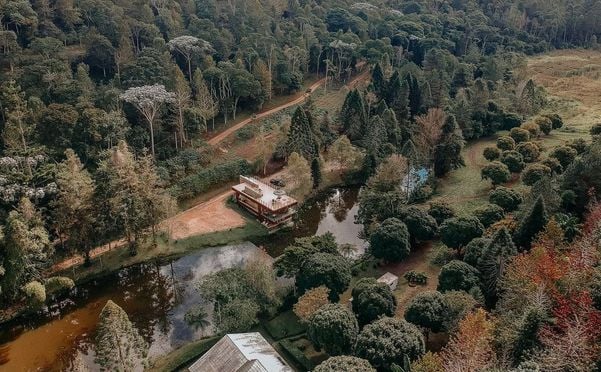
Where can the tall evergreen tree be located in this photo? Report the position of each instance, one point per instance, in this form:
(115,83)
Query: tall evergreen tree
(301,138)
(119,346)
(378,80)
(415,95)
(375,136)
(393,131)
(533,222)
(447,154)
(397,96)
(353,116)
(316,172)
(493,260)
(74,208)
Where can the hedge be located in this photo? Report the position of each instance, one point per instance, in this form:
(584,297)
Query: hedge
(297,356)
(204,179)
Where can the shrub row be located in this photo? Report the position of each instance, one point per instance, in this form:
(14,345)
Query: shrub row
(203,180)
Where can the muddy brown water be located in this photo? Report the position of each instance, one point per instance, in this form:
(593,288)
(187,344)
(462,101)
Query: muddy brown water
(156,297)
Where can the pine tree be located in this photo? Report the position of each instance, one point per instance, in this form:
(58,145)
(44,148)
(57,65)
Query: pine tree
(301,137)
(392,128)
(533,222)
(415,95)
(17,130)
(316,172)
(182,97)
(397,97)
(74,208)
(327,133)
(447,154)
(378,80)
(493,260)
(353,116)
(131,191)
(26,248)
(119,346)
(375,137)
(203,99)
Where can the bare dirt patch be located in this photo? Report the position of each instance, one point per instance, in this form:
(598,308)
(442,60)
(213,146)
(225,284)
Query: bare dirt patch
(210,216)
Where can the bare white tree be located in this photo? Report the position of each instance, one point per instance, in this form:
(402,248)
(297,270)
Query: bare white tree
(187,47)
(148,99)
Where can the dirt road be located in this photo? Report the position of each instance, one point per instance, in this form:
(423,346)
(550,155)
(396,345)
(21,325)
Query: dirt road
(212,215)
(226,133)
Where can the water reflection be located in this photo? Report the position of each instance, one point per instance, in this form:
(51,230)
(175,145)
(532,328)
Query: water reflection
(333,212)
(155,297)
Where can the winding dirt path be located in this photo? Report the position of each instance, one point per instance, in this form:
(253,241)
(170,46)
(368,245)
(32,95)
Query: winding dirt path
(212,215)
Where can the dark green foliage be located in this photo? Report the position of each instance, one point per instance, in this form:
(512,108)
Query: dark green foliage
(377,79)
(205,178)
(390,240)
(301,138)
(564,154)
(388,340)
(344,363)
(491,153)
(428,309)
(529,151)
(289,263)
(519,135)
(505,143)
(506,198)
(327,269)
(441,211)
(533,222)
(458,231)
(583,176)
(496,172)
(595,288)
(421,225)
(553,164)
(473,250)
(596,129)
(556,120)
(447,154)
(316,172)
(534,173)
(527,340)
(513,160)
(489,214)
(415,277)
(545,124)
(579,144)
(493,260)
(372,300)
(333,328)
(353,116)
(296,354)
(458,276)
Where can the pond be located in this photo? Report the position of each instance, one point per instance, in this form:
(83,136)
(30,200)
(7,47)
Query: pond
(156,297)
(333,211)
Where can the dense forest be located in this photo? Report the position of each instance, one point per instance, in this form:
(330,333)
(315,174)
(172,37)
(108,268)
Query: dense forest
(105,107)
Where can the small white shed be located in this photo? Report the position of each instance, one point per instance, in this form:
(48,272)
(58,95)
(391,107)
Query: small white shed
(390,280)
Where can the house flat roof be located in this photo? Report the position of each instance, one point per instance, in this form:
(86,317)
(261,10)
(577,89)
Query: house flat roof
(269,197)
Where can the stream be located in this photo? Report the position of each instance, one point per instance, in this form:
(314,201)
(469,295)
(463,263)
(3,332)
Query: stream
(156,297)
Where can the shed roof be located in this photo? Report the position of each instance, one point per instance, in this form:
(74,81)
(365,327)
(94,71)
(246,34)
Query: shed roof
(241,352)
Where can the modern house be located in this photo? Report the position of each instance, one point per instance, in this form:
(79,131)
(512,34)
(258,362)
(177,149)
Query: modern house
(271,206)
(241,352)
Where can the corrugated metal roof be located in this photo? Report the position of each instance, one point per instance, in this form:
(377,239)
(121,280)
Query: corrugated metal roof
(241,352)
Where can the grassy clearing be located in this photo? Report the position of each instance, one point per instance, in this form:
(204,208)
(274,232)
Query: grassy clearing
(183,356)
